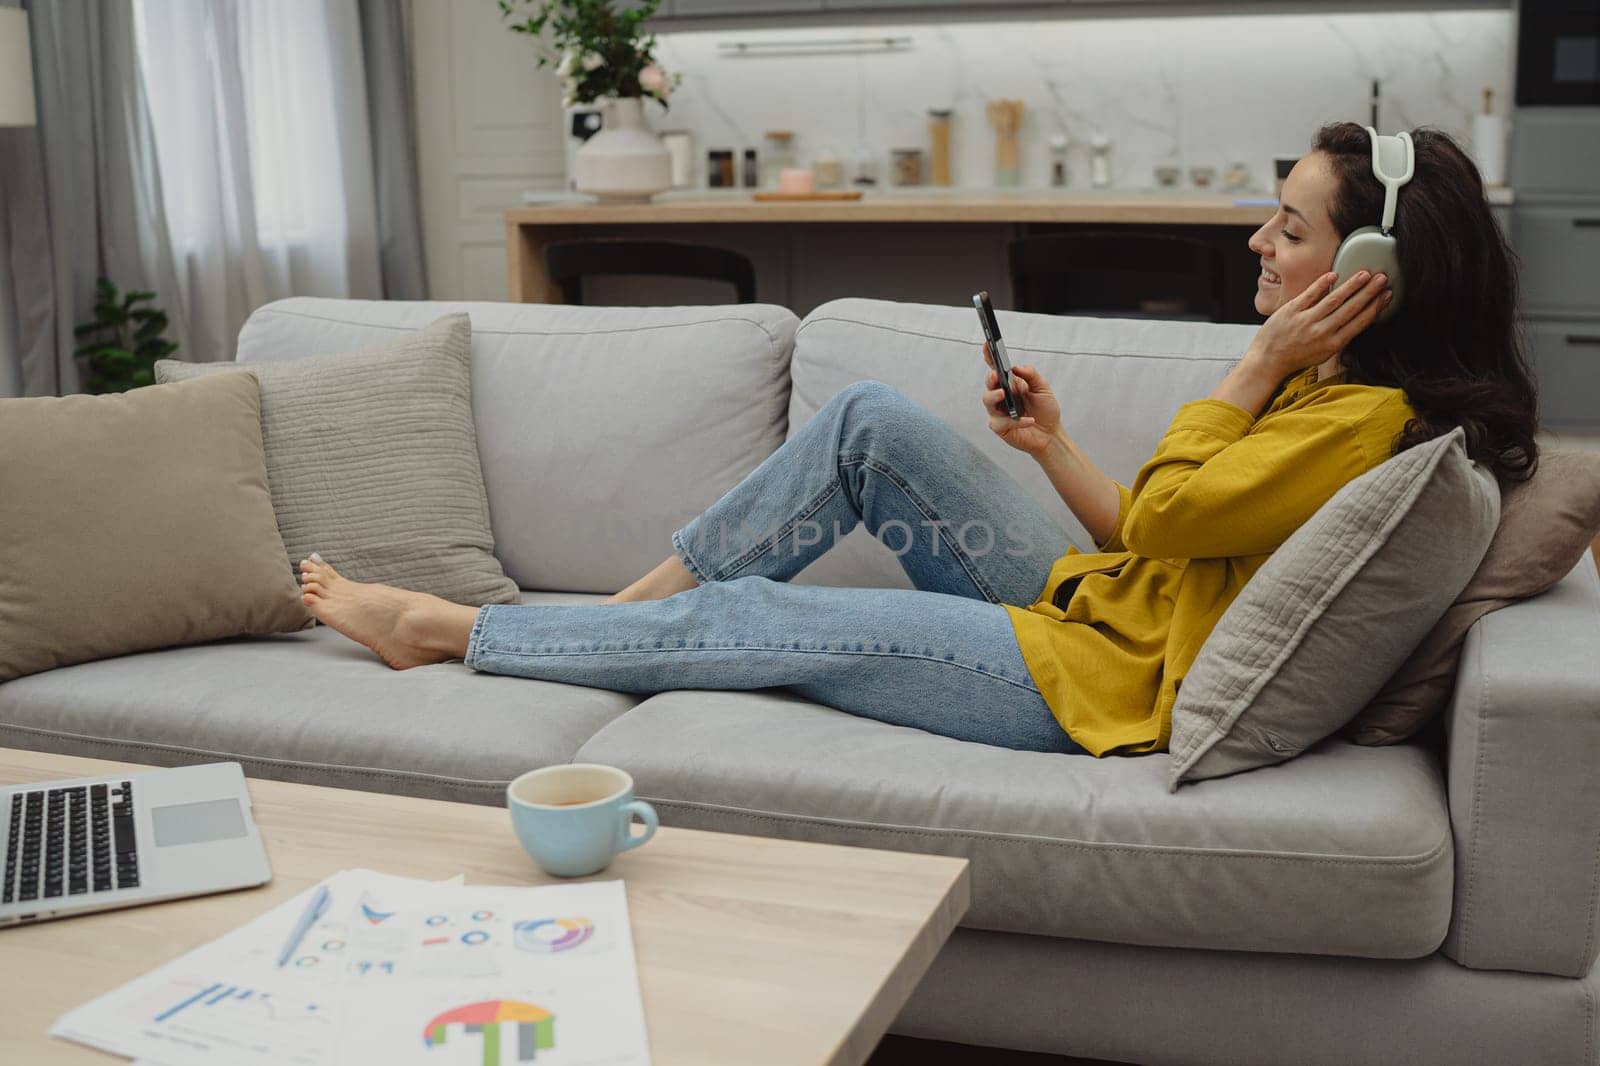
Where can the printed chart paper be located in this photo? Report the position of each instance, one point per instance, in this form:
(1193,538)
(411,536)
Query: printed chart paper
(395,971)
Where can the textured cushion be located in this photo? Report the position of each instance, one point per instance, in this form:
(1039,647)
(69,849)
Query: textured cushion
(1546,524)
(373,461)
(312,707)
(602,429)
(1344,851)
(1335,611)
(136,521)
(1120,382)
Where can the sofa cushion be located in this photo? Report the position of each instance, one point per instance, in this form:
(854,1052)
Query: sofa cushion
(1120,382)
(602,429)
(373,460)
(136,521)
(1546,525)
(310,706)
(1343,851)
(1335,611)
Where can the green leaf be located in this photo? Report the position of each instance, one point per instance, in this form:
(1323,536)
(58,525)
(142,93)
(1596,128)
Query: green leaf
(153,326)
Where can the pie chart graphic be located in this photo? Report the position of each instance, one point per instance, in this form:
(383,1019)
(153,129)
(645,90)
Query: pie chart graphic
(552,934)
(511,1030)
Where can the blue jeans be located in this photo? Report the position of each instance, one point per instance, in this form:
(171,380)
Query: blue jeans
(942,657)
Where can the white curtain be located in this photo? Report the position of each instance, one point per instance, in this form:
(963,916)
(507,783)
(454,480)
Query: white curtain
(260,116)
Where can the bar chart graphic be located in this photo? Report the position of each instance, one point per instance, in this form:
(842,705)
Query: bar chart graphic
(259,1003)
(511,1031)
(237,1024)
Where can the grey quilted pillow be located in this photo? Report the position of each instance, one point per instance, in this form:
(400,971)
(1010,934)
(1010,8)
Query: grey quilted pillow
(1335,611)
(372,457)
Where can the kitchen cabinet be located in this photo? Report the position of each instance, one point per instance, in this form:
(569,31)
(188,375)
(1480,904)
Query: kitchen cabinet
(1555,230)
(893,5)
(675,13)
(708,8)
(1566,361)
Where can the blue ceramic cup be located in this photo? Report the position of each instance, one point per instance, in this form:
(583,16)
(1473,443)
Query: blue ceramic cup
(574,818)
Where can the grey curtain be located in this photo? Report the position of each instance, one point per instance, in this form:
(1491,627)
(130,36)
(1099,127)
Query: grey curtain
(390,107)
(81,192)
(27,302)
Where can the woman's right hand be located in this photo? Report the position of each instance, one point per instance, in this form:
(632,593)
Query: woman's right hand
(1041,414)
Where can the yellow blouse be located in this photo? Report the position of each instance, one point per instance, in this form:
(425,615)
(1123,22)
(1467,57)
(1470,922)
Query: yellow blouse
(1221,493)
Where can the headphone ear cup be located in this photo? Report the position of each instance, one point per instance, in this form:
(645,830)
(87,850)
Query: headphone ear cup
(1370,249)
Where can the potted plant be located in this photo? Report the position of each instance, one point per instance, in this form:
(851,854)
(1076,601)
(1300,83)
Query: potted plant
(605,55)
(123,342)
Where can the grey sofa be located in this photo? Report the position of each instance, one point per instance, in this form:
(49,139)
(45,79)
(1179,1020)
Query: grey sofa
(1433,902)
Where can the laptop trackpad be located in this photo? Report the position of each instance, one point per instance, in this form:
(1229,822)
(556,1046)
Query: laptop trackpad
(197,823)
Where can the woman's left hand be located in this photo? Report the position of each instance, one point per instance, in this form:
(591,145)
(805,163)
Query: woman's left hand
(1316,325)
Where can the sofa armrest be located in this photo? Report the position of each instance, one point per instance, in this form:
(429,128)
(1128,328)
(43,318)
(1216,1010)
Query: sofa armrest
(1524,779)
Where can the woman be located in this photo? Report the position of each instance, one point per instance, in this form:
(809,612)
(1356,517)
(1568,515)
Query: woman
(1013,636)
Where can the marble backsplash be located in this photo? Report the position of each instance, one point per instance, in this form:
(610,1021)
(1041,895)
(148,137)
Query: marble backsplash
(1205,90)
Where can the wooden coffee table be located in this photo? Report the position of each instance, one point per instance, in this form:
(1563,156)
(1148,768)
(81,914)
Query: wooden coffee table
(749,949)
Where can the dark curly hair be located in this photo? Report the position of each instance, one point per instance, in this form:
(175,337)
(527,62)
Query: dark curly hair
(1454,345)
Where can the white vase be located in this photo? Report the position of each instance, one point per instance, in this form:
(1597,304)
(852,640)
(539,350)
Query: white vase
(625,162)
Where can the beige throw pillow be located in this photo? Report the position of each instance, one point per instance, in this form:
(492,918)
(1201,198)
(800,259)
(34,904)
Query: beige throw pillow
(373,460)
(1546,524)
(137,521)
(1334,612)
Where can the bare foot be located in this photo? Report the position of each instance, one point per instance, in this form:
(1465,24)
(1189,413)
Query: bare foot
(405,628)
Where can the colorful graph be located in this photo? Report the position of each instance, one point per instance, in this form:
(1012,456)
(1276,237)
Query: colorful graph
(552,934)
(535,1028)
(219,994)
(373,914)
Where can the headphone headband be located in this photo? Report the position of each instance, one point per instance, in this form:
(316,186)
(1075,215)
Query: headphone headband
(1391,155)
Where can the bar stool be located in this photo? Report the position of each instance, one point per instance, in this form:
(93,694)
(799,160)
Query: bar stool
(1068,273)
(569,262)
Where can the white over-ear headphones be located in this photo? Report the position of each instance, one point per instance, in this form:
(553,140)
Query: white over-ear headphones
(1372,248)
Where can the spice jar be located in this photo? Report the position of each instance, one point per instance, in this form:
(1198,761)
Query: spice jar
(828,169)
(719,168)
(907,166)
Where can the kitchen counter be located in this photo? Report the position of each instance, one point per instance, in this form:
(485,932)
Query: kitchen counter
(530,227)
(546,217)
(918,205)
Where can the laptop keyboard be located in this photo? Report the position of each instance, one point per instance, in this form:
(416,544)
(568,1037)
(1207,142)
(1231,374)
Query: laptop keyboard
(70,841)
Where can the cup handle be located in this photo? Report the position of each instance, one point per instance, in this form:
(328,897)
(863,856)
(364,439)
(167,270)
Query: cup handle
(644,811)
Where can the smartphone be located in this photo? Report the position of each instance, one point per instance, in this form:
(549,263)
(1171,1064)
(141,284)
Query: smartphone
(997,349)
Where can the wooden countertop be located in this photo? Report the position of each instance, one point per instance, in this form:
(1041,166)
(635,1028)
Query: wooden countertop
(703,206)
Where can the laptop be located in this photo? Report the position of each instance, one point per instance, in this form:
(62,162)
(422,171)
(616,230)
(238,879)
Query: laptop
(94,843)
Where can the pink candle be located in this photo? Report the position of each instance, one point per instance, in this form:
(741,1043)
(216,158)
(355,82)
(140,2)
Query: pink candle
(796,181)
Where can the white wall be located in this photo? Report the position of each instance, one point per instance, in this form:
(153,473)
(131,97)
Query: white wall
(1200,90)
(1203,90)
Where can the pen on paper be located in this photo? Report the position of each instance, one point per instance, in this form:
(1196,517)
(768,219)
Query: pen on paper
(314,910)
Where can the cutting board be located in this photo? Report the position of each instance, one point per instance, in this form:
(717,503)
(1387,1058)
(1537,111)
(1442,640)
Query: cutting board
(830,194)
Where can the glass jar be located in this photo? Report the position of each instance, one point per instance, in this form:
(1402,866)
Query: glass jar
(866,166)
(779,156)
(907,166)
(939,141)
(829,169)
